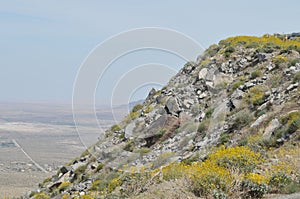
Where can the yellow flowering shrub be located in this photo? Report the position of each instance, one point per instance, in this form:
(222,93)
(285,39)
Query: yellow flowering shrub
(256,178)
(279,59)
(256,94)
(63,186)
(207,176)
(240,157)
(260,41)
(254,185)
(114,183)
(41,196)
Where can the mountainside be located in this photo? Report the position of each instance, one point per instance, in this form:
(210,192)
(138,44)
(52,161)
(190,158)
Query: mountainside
(226,126)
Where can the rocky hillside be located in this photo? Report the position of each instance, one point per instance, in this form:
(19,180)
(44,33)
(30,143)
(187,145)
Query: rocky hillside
(226,126)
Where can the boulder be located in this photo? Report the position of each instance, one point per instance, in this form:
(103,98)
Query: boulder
(292,87)
(272,126)
(129,129)
(172,106)
(202,73)
(259,120)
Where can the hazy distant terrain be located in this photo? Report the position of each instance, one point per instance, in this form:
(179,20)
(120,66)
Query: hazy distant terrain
(47,134)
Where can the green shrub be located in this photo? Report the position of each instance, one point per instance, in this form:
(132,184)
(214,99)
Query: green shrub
(143,150)
(254,190)
(112,185)
(41,195)
(242,118)
(99,167)
(280,180)
(209,112)
(252,45)
(80,170)
(63,186)
(223,139)
(228,51)
(296,77)
(278,60)
(243,142)
(237,84)
(255,74)
(203,126)
(98,185)
(212,50)
(257,95)
(148,109)
(137,107)
(291,121)
(129,146)
(85,153)
(294,61)
(293,187)
(115,128)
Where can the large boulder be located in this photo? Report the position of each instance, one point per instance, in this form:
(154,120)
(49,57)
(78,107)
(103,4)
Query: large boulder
(172,106)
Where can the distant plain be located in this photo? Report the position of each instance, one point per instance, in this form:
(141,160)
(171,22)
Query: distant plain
(46,132)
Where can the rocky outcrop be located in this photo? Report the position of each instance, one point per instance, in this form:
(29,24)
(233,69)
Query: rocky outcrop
(235,90)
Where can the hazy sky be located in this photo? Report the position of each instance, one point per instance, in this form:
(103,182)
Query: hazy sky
(43,43)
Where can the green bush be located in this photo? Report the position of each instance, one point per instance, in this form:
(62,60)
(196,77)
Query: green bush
(278,60)
(255,74)
(63,186)
(280,180)
(296,77)
(115,128)
(237,84)
(129,146)
(252,45)
(212,50)
(41,196)
(80,170)
(137,107)
(242,118)
(254,190)
(209,112)
(294,61)
(228,51)
(98,185)
(99,167)
(223,139)
(257,95)
(203,126)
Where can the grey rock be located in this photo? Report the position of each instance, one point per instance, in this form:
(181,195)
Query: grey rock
(249,85)
(211,75)
(237,94)
(64,169)
(202,73)
(172,106)
(272,126)
(259,120)
(77,165)
(129,129)
(203,95)
(187,103)
(151,94)
(292,86)
(270,66)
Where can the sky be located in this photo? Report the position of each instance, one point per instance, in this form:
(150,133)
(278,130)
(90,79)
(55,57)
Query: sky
(44,43)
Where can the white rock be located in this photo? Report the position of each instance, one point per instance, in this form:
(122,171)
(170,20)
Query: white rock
(203,73)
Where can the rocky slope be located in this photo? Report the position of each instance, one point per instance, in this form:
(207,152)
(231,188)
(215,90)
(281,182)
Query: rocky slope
(226,126)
